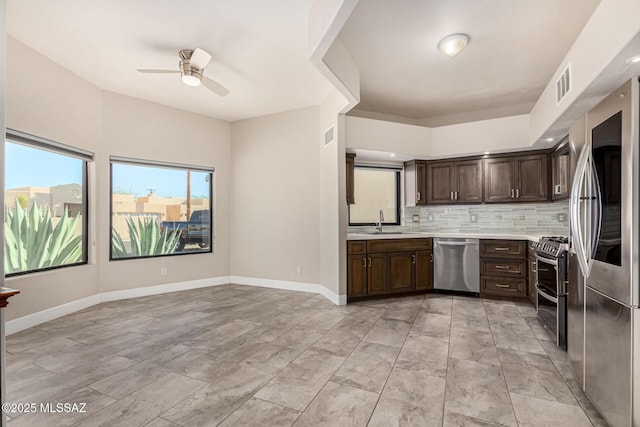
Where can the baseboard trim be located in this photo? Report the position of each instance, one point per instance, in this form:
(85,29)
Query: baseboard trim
(313,288)
(34,319)
(163,289)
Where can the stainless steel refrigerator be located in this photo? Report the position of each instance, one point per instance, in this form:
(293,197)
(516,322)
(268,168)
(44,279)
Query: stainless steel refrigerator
(604,293)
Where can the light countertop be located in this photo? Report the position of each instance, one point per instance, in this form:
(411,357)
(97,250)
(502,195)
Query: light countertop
(461,235)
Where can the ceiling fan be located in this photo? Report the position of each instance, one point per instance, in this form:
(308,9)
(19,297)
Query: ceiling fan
(191,68)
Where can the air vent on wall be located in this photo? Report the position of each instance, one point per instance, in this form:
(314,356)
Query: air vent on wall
(563,85)
(328,136)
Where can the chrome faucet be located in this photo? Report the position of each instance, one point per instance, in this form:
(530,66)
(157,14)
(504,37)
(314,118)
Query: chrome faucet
(379,226)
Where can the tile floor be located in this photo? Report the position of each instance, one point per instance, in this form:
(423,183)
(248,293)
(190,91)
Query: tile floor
(242,356)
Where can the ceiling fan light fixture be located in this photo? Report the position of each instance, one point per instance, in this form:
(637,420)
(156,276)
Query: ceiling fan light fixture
(190,76)
(453,44)
(190,80)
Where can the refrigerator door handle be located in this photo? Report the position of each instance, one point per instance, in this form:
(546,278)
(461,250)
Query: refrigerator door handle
(576,226)
(596,211)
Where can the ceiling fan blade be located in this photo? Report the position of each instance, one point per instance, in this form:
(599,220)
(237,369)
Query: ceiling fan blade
(199,59)
(141,70)
(214,86)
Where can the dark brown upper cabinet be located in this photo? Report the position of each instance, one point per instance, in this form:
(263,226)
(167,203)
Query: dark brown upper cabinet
(560,173)
(454,182)
(415,183)
(516,179)
(351,158)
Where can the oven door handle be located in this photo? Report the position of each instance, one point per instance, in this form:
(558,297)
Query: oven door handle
(545,295)
(546,260)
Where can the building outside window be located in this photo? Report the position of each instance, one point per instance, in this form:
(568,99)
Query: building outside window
(160,209)
(45,204)
(375,189)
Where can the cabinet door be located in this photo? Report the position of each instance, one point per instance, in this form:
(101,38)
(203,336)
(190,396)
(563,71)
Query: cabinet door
(377,274)
(356,275)
(467,181)
(350,178)
(532,178)
(424,270)
(498,180)
(439,179)
(415,178)
(560,174)
(401,271)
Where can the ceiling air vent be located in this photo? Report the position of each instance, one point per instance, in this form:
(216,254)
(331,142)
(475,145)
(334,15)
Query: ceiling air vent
(563,85)
(328,136)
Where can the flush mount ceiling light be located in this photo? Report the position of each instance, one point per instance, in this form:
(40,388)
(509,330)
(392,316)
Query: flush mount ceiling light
(454,44)
(549,139)
(633,60)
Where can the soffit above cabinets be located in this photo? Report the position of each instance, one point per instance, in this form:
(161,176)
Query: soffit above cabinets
(515,47)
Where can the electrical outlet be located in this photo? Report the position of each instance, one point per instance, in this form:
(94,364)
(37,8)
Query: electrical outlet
(430,218)
(416,218)
(299,269)
(474,218)
(163,271)
(562,217)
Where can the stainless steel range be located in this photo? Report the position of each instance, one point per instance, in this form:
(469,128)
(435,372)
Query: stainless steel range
(551,285)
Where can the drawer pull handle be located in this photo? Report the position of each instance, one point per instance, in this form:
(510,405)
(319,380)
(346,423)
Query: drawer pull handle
(500,285)
(500,249)
(364,263)
(502,267)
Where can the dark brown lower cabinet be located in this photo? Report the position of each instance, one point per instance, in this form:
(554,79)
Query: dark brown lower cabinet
(388,267)
(503,268)
(401,271)
(377,280)
(357,275)
(424,270)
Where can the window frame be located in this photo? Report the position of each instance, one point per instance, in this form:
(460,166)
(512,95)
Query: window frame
(167,165)
(32,141)
(398,188)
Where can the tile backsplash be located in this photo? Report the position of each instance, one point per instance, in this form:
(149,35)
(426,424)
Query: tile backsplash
(532,218)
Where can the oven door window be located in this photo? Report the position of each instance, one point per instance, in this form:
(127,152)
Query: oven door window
(547,275)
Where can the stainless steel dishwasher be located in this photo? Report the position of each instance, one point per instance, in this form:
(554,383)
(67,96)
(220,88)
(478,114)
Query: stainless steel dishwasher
(456,264)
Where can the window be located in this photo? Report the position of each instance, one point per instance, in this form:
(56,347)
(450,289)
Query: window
(159,209)
(375,188)
(45,204)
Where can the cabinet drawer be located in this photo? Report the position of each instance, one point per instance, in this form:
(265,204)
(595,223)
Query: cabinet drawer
(356,246)
(505,268)
(393,245)
(503,248)
(507,287)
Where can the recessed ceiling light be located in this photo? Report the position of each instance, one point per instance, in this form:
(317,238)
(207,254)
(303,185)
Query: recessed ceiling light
(393,154)
(549,139)
(454,44)
(633,60)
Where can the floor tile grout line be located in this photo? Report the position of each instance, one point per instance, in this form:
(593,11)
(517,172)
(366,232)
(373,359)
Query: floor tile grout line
(392,366)
(504,378)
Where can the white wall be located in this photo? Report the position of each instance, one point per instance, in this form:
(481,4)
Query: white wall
(613,24)
(502,134)
(47,100)
(381,135)
(145,130)
(275,196)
